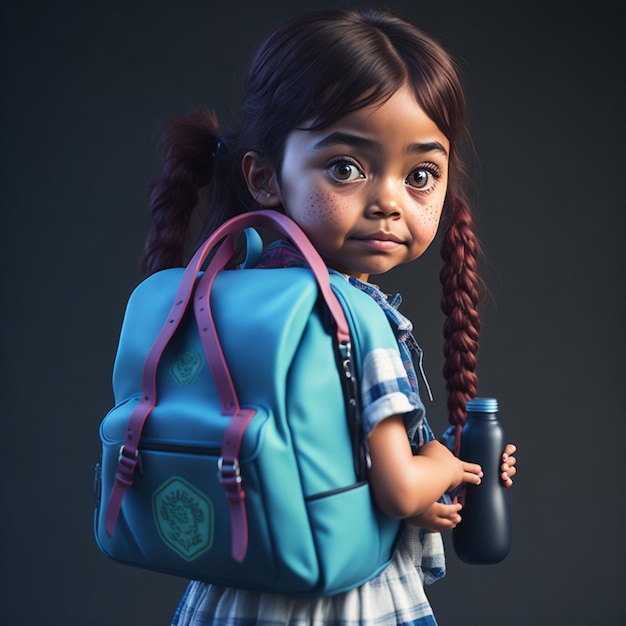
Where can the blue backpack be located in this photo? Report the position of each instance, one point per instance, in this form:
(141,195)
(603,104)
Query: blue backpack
(235,453)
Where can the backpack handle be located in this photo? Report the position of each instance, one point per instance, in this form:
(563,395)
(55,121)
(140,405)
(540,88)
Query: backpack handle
(287,227)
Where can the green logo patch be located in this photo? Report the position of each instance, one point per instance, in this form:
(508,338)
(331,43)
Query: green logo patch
(185,369)
(184,517)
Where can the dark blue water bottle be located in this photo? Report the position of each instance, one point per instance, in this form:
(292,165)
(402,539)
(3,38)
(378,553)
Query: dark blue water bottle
(484,534)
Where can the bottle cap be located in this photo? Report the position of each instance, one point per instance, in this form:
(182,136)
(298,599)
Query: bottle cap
(482,405)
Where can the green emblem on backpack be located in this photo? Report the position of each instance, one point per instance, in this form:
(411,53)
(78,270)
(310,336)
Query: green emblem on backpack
(185,369)
(184,517)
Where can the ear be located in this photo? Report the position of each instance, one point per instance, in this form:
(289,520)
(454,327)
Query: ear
(260,177)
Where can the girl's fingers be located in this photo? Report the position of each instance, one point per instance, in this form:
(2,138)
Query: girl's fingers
(509,450)
(472,478)
(473,468)
(511,470)
(506,480)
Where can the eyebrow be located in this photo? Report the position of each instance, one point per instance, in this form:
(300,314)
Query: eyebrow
(364,143)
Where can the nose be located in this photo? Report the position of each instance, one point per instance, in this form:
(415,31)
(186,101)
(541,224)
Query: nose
(385,202)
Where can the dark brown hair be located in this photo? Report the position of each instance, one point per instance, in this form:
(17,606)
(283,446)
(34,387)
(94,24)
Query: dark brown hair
(320,67)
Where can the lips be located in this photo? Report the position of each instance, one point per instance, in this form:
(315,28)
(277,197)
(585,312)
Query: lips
(381,241)
(381,236)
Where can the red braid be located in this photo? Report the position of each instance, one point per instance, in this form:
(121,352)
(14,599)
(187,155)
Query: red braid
(461,297)
(187,145)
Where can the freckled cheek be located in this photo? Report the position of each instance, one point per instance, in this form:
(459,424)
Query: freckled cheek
(320,211)
(427,220)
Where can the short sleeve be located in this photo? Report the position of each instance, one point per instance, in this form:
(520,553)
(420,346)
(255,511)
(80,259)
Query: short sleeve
(385,390)
(384,381)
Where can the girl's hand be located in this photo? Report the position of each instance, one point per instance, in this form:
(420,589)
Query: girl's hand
(438,517)
(508,468)
(404,484)
(463,472)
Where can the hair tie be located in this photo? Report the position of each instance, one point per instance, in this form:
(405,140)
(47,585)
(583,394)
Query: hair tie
(218,146)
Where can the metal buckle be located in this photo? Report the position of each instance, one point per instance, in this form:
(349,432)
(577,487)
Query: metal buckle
(129,464)
(345,350)
(121,454)
(228,469)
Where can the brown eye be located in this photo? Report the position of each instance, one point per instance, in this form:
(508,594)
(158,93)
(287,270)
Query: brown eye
(424,177)
(419,179)
(344,171)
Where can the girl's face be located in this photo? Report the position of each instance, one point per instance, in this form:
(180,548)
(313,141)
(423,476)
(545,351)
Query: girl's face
(368,190)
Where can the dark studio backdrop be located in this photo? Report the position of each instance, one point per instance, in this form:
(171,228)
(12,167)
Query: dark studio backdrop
(84,88)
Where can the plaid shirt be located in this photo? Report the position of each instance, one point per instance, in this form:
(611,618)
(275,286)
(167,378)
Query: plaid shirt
(419,431)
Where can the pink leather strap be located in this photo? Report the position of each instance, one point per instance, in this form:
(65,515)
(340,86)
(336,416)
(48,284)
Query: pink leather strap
(228,463)
(240,418)
(208,333)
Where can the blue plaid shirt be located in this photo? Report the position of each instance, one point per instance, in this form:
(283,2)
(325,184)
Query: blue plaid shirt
(419,431)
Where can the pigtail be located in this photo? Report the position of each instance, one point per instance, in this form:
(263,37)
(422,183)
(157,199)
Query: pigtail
(188,146)
(462,291)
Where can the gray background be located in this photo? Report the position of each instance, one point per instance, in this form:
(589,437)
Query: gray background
(84,87)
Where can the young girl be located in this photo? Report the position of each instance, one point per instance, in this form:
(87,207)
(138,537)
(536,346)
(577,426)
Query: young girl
(351,125)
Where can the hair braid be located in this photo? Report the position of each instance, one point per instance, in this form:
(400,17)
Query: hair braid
(461,298)
(187,146)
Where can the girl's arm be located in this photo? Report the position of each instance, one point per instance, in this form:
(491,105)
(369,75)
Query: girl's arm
(405,485)
(440,516)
